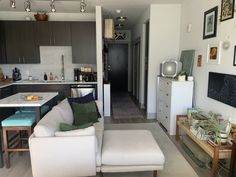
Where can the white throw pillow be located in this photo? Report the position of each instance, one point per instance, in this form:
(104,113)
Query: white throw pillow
(79,132)
(66,112)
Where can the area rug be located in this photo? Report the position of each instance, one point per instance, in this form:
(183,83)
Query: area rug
(124,107)
(175,164)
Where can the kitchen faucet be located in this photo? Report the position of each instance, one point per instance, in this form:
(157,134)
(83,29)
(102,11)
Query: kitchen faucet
(62,68)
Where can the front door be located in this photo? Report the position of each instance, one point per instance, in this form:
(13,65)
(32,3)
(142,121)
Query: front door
(118,67)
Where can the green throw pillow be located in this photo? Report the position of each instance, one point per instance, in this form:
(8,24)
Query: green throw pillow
(84,113)
(68,127)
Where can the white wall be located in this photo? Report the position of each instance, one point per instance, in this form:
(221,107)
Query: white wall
(163,44)
(139,30)
(193,12)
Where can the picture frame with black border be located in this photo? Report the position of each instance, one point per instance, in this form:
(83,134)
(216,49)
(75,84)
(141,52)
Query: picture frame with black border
(234,61)
(227,10)
(210,23)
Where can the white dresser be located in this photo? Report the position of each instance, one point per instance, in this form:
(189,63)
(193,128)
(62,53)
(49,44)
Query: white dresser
(173,98)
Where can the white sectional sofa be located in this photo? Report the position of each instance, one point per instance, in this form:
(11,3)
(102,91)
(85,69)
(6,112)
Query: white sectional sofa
(80,152)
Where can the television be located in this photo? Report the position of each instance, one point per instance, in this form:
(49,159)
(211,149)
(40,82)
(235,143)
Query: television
(222,87)
(170,68)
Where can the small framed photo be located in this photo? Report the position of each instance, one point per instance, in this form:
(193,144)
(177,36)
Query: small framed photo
(210,23)
(214,53)
(234,56)
(227,10)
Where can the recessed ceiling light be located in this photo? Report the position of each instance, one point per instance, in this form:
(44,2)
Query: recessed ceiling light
(121,18)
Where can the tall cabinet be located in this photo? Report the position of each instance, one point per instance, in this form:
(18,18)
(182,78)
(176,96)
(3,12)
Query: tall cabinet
(173,98)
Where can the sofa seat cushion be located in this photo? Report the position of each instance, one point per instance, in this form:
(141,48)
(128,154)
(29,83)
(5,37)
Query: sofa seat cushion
(79,132)
(49,124)
(130,147)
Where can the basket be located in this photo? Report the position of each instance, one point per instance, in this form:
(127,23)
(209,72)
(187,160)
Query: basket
(41,17)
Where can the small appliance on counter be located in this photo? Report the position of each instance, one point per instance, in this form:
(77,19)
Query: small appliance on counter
(85,75)
(16,75)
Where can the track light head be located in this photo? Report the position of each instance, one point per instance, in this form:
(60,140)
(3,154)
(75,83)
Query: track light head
(53,8)
(12,3)
(82,6)
(27,6)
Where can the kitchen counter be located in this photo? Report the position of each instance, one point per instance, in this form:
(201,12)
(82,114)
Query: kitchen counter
(30,82)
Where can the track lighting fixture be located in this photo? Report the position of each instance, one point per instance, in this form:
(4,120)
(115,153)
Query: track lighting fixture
(27,5)
(82,6)
(53,8)
(12,3)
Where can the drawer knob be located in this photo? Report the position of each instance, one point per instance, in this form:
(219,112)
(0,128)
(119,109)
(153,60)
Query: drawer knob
(167,94)
(166,117)
(166,106)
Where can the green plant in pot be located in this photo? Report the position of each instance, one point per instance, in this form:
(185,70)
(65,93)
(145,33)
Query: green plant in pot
(213,125)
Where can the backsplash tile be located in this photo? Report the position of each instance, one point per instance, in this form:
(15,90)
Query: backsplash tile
(50,57)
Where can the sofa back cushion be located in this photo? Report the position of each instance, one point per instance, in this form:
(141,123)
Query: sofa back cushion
(49,124)
(66,112)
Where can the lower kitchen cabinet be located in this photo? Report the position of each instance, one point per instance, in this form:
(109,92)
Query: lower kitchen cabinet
(173,98)
(5,92)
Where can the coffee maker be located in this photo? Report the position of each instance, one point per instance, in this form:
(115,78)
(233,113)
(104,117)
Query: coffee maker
(16,75)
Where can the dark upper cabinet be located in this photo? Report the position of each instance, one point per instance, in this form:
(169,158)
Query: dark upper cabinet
(3,58)
(83,41)
(20,42)
(53,33)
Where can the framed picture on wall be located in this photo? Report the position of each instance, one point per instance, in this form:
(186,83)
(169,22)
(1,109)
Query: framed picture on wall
(227,10)
(210,23)
(234,56)
(214,53)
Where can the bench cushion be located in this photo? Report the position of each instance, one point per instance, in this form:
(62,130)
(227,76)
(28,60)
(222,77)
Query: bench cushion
(130,147)
(19,119)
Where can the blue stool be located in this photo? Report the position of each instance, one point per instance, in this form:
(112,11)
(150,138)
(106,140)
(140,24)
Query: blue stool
(18,123)
(44,110)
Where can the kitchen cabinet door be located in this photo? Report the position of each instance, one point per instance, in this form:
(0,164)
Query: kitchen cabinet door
(43,33)
(3,58)
(61,33)
(53,33)
(20,43)
(83,40)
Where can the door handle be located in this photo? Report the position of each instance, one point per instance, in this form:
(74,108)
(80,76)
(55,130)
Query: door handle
(109,68)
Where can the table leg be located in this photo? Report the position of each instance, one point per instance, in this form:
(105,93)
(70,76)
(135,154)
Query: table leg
(38,114)
(1,153)
(215,162)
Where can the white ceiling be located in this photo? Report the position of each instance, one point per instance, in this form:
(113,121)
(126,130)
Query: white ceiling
(132,9)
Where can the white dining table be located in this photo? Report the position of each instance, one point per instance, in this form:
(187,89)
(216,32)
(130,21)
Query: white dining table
(19,100)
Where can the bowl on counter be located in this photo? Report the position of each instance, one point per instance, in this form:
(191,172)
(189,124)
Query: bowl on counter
(41,16)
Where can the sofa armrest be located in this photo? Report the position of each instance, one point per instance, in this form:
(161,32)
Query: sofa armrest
(63,156)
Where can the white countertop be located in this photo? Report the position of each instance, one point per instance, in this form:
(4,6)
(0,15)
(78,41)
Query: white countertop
(18,100)
(32,82)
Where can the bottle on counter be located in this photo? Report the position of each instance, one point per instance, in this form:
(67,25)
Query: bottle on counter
(45,77)
(50,76)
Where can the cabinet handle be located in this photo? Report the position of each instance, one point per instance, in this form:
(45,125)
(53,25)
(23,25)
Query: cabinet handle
(19,59)
(166,106)
(23,59)
(167,94)
(167,83)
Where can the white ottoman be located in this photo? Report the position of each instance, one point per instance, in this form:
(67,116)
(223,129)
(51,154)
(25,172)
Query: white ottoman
(131,150)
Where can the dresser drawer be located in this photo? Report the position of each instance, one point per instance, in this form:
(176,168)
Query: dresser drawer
(164,96)
(165,85)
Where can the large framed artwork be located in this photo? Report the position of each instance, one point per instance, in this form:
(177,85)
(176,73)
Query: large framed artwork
(210,23)
(227,10)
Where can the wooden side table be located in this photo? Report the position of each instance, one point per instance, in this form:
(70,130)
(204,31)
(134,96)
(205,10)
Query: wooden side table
(215,152)
(233,160)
